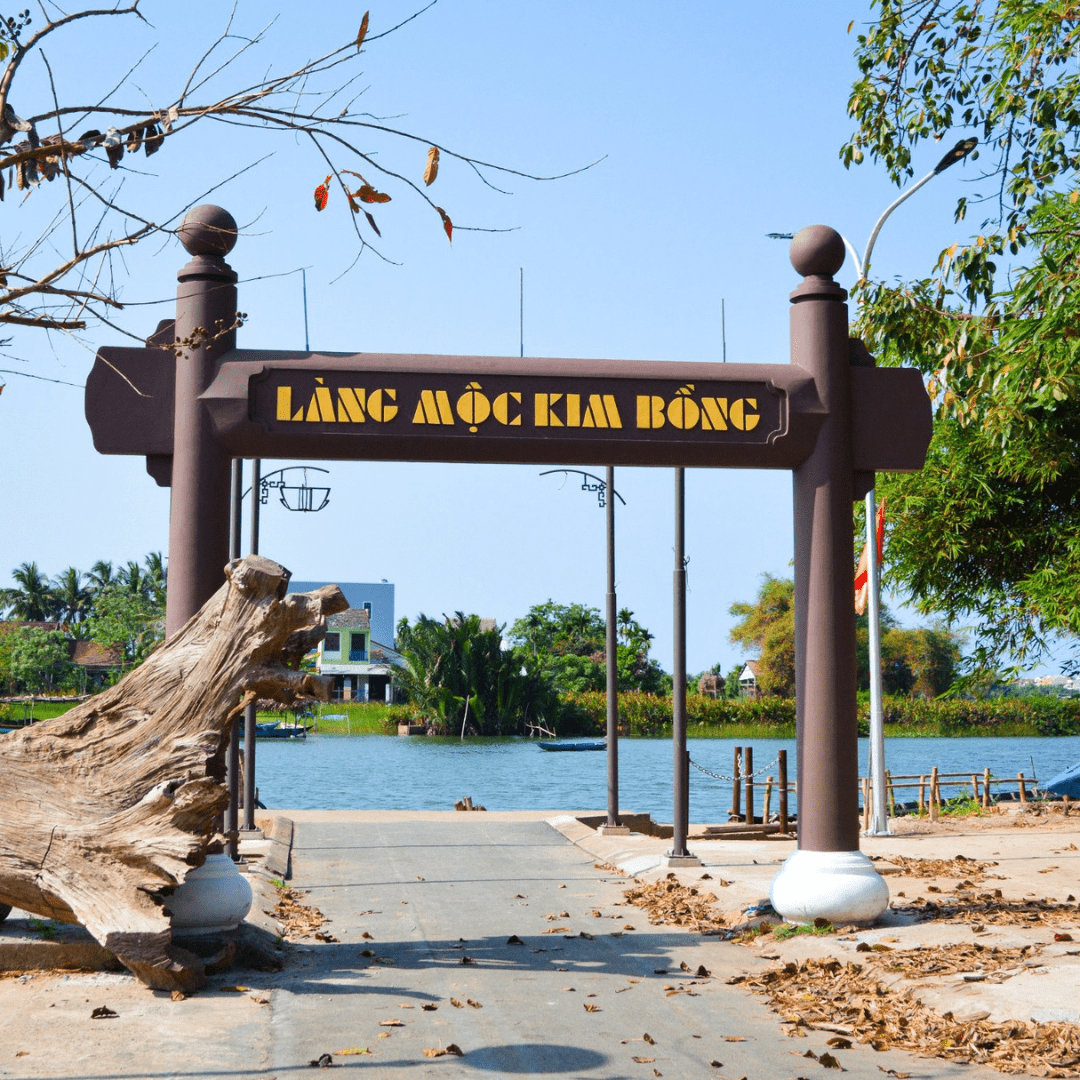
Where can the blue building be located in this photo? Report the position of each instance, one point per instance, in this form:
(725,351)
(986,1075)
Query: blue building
(358,650)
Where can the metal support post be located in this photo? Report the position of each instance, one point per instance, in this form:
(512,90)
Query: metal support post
(250,717)
(612,825)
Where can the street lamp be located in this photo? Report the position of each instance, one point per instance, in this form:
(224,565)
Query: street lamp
(305,497)
(605,489)
(879,819)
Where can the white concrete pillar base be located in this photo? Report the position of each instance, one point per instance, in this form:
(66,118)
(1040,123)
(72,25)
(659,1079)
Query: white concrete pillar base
(213,897)
(614,830)
(841,886)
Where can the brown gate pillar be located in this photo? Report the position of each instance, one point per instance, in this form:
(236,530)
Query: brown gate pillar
(827,877)
(205,331)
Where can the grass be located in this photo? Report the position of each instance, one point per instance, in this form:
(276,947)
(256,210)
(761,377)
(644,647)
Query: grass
(783,931)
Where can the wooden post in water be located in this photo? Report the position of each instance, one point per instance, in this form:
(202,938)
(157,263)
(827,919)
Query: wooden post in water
(934,801)
(782,782)
(1023,790)
(866,804)
(922,793)
(975,786)
(748,763)
(890,795)
(768,801)
(986,801)
(736,785)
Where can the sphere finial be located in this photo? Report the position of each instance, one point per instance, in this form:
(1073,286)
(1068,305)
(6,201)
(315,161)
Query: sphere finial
(208,230)
(817,250)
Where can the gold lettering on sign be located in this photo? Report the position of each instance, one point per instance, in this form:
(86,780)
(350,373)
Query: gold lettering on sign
(500,409)
(473,406)
(685,413)
(350,405)
(433,408)
(381,407)
(284,405)
(602,412)
(542,414)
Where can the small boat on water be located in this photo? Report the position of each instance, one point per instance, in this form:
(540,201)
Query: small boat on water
(544,745)
(277,730)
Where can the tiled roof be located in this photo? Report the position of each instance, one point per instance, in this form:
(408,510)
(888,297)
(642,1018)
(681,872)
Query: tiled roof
(352,619)
(91,654)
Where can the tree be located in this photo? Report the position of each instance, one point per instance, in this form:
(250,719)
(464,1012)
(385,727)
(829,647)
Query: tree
(32,600)
(768,627)
(71,158)
(458,671)
(40,660)
(918,663)
(567,644)
(990,530)
(71,598)
(129,620)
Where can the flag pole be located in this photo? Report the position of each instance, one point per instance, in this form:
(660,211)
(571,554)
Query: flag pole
(879,820)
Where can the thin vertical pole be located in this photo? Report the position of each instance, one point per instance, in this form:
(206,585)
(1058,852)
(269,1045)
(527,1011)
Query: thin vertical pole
(736,783)
(232,757)
(307,344)
(782,788)
(879,820)
(723,330)
(521,308)
(250,717)
(612,662)
(681,784)
(749,785)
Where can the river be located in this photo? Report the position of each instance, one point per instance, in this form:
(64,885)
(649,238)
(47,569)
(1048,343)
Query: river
(385,772)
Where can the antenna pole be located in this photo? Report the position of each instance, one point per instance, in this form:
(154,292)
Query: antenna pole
(307,344)
(521,308)
(723,329)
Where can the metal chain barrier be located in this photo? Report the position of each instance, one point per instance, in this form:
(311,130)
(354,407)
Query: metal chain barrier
(742,776)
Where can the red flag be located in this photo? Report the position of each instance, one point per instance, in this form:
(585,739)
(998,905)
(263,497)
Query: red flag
(862,574)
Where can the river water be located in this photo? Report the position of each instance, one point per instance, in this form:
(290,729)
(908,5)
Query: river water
(386,772)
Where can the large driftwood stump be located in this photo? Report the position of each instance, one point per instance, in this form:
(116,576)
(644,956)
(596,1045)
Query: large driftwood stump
(105,810)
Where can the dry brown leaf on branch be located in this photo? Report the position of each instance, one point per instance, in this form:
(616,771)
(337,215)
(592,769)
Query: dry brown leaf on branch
(368,194)
(363,30)
(431,170)
(448,227)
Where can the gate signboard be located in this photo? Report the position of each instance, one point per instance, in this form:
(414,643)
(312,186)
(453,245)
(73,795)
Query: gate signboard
(830,416)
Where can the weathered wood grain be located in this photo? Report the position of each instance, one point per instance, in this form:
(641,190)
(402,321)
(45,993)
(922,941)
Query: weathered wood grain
(105,810)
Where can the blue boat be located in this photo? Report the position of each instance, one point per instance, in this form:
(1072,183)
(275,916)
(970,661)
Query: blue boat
(275,730)
(1066,783)
(572,745)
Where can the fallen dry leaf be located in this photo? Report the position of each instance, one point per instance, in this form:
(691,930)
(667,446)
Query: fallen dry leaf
(457,1004)
(591,1008)
(513,939)
(649,1039)
(323,1061)
(452,1049)
(103,1012)
(391,1023)
(366,936)
(177,995)
(429,1007)
(474,1004)
(643,1060)
(352,1051)
(734,1038)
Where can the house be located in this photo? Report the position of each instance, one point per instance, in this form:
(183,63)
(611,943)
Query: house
(376,598)
(361,670)
(748,685)
(358,650)
(96,663)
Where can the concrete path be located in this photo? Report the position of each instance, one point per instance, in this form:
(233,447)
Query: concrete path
(434,901)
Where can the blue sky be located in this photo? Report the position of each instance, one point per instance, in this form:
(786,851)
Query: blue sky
(716,122)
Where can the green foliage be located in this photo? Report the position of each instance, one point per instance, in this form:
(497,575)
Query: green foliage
(990,530)
(458,675)
(127,619)
(566,645)
(768,627)
(31,600)
(650,714)
(40,660)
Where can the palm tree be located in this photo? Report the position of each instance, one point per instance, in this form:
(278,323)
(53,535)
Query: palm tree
(101,576)
(72,598)
(33,600)
(156,575)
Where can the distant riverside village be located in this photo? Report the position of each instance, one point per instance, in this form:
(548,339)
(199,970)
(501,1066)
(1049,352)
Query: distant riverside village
(72,635)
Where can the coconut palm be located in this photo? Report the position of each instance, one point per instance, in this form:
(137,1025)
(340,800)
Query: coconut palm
(32,600)
(101,576)
(72,597)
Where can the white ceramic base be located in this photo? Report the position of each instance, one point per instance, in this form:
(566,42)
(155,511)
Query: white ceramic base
(675,861)
(841,886)
(614,830)
(213,897)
